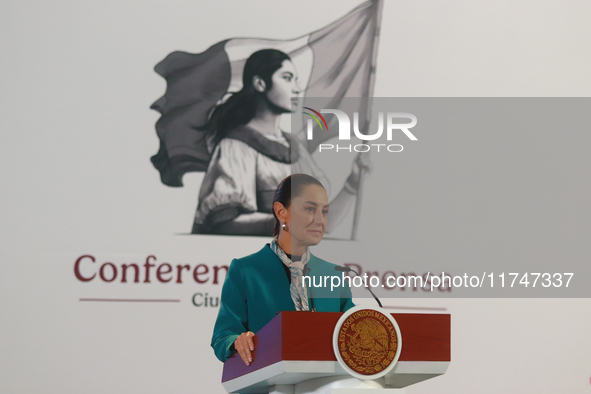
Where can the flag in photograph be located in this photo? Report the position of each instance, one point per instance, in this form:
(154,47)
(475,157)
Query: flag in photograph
(336,61)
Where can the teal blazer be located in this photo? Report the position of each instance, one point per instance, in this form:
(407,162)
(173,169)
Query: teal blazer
(256,288)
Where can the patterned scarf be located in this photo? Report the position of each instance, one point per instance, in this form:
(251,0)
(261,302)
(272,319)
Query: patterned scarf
(299,295)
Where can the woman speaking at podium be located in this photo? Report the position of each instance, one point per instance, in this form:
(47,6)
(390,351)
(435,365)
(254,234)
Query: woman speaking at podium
(259,286)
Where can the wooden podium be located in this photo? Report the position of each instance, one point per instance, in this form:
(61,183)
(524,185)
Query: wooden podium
(296,347)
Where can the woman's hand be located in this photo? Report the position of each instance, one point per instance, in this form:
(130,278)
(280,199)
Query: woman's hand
(245,345)
(361,165)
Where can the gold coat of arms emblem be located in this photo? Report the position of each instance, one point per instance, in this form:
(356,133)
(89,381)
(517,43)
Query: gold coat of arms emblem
(367,341)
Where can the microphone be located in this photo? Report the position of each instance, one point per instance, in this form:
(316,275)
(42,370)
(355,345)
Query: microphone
(340,268)
(305,272)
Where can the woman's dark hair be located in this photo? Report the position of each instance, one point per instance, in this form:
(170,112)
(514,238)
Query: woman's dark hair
(241,107)
(288,188)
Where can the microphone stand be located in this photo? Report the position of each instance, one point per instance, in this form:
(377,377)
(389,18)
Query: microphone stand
(347,269)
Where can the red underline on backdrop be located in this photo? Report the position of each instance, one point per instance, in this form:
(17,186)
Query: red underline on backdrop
(127,300)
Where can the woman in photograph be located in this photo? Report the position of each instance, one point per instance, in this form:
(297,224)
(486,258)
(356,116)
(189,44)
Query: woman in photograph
(259,286)
(250,154)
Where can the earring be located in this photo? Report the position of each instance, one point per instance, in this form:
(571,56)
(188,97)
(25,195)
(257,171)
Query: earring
(284,227)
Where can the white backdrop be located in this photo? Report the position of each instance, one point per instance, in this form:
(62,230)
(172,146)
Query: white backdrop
(77,134)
